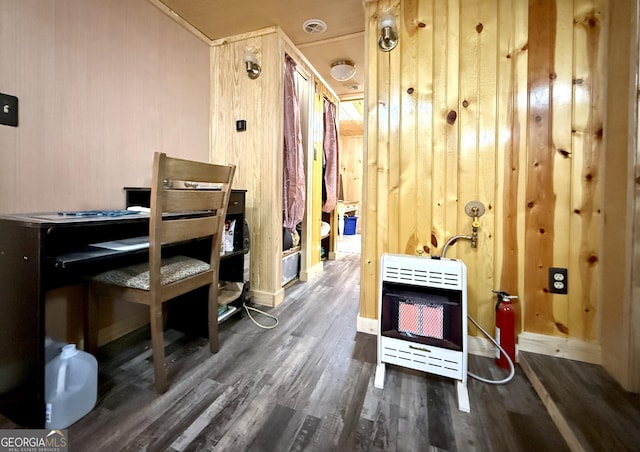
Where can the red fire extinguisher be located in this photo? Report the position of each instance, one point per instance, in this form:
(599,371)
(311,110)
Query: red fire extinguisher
(505,328)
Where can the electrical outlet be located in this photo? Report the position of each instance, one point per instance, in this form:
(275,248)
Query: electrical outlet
(558,280)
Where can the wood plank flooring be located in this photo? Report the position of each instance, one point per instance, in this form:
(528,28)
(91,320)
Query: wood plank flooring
(591,410)
(305,385)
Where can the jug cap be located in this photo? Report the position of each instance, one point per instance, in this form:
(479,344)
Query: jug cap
(68,351)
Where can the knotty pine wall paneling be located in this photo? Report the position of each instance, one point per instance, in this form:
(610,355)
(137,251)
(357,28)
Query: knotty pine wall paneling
(586,203)
(351,150)
(477,90)
(500,102)
(620,288)
(256,152)
(369,265)
(541,196)
(511,143)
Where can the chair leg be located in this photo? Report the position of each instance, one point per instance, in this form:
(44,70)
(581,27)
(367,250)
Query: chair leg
(91,319)
(214,343)
(157,343)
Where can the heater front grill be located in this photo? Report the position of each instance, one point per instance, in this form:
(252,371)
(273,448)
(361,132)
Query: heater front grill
(423,277)
(423,314)
(421,319)
(434,360)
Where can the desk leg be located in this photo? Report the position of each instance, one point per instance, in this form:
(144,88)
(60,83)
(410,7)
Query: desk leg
(340,224)
(91,318)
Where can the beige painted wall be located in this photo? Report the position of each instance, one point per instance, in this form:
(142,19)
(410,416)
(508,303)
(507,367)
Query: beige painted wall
(102,85)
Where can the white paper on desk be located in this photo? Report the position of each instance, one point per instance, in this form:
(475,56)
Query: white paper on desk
(130,244)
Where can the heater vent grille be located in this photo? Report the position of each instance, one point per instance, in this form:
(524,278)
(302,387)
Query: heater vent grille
(423,277)
(424,358)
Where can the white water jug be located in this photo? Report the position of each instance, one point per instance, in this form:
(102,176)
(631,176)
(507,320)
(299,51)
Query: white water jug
(52,348)
(71,387)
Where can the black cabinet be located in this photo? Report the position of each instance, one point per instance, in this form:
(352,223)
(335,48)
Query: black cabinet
(232,263)
(41,251)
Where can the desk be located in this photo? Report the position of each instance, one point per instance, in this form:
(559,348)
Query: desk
(42,251)
(344,207)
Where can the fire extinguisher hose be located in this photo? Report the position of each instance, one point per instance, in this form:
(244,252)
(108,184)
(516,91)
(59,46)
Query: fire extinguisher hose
(512,367)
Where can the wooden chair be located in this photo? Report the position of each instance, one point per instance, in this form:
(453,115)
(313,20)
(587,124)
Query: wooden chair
(162,279)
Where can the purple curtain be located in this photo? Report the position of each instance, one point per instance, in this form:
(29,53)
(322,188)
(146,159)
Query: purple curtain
(330,146)
(294,182)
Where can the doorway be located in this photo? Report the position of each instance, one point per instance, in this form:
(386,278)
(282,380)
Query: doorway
(351,158)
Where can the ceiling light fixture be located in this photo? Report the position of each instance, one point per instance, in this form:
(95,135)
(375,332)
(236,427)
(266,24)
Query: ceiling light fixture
(388,30)
(343,70)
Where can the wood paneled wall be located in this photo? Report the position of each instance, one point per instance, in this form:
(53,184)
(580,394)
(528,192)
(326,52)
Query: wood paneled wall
(258,152)
(620,322)
(351,159)
(499,102)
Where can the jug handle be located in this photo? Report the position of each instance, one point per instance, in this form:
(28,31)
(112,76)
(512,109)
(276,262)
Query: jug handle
(62,376)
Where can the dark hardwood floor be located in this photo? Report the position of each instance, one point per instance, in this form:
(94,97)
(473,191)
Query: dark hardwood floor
(591,409)
(305,385)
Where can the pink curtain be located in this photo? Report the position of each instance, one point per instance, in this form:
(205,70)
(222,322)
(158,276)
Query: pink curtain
(294,182)
(330,146)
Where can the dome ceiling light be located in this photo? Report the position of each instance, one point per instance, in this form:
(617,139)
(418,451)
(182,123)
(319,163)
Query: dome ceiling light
(343,70)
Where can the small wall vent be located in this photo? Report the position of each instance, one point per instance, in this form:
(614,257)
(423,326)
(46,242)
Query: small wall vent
(314,26)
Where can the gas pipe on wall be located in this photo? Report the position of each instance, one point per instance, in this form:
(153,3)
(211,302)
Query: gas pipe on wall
(505,314)
(505,329)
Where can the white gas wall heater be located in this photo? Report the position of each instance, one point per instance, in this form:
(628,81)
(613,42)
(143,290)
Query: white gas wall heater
(422,312)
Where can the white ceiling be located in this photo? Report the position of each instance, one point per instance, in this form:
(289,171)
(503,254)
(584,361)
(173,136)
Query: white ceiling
(343,39)
(351,111)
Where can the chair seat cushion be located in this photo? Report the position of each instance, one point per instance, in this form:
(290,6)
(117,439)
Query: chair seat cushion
(137,276)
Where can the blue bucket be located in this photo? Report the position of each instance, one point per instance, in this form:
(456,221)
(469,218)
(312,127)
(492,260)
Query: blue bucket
(350,225)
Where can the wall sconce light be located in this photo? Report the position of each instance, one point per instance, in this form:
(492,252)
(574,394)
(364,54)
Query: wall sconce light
(388,39)
(251,63)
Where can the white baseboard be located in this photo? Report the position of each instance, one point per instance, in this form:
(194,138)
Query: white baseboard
(560,347)
(529,342)
(481,346)
(367,325)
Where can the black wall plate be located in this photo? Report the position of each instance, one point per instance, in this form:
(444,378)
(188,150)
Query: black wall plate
(8,110)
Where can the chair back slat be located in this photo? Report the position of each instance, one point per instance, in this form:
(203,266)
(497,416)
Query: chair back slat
(189,228)
(187,170)
(192,200)
(211,203)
